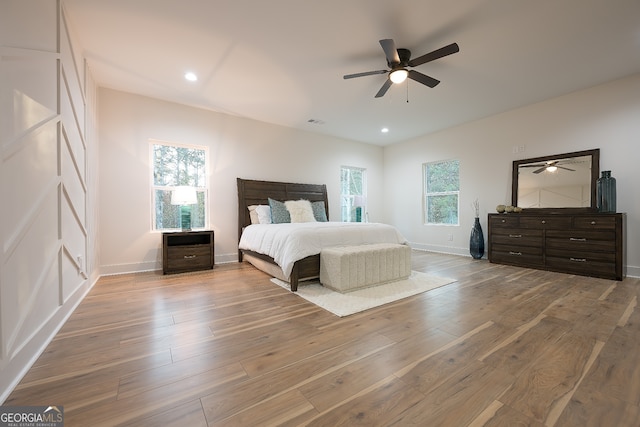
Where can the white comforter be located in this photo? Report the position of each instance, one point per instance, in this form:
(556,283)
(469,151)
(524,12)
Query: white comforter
(288,243)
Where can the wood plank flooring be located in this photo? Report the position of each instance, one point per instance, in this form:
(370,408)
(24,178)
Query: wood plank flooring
(502,346)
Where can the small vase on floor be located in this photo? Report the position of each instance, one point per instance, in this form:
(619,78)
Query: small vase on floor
(476,241)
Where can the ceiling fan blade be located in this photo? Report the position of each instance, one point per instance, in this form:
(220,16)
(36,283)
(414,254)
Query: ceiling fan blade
(385,87)
(436,54)
(424,79)
(390,51)
(366,73)
(562,167)
(540,170)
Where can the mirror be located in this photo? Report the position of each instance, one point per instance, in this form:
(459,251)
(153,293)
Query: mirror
(562,181)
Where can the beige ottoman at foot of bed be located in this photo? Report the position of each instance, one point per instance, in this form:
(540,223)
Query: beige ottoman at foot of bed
(347,268)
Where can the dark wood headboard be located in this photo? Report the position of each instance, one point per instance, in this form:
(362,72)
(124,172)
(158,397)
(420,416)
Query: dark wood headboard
(252,192)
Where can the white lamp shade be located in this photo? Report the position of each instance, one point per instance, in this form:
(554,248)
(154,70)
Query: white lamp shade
(359,201)
(184,195)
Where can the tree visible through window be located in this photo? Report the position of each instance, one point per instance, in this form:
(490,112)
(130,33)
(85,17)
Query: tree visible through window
(178,165)
(353,194)
(441,191)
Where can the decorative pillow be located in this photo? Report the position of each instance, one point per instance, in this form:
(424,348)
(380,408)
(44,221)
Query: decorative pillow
(319,212)
(253,214)
(264,214)
(300,210)
(279,212)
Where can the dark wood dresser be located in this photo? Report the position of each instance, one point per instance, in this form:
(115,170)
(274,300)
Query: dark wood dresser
(187,251)
(586,244)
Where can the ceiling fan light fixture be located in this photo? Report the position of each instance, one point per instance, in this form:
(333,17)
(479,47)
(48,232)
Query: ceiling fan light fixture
(552,168)
(399,75)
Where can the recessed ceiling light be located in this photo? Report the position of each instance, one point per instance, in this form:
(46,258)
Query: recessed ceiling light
(384,130)
(191,76)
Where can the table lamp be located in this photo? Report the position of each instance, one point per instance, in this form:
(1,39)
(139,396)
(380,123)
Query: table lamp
(185,197)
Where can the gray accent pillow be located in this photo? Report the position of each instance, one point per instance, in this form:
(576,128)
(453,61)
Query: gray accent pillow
(279,212)
(319,212)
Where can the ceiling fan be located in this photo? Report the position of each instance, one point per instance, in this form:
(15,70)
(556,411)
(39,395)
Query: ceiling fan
(399,60)
(550,166)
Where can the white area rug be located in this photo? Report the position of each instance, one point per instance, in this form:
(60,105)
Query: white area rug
(363,299)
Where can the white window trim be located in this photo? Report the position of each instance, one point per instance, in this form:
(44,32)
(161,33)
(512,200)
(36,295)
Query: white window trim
(425,195)
(154,187)
(365,210)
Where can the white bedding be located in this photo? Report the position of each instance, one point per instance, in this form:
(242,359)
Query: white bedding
(288,243)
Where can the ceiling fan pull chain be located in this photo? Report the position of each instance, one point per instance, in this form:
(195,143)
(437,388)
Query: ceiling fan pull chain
(407,91)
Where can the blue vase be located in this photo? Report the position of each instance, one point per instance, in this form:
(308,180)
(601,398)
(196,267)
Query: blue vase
(606,193)
(476,241)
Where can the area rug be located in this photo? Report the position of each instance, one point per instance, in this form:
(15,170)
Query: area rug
(344,304)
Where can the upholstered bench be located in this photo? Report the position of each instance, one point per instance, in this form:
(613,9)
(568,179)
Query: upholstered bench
(347,268)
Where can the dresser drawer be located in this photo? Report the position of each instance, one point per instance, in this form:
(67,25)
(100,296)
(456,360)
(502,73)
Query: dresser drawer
(522,237)
(582,266)
(570,240)
(546,222)
(596,222)
(504,220)
(517,257)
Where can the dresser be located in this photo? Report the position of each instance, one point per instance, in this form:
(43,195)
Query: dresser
(586,244)
(187,251)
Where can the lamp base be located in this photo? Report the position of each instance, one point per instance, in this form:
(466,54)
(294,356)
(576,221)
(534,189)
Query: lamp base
(185,217)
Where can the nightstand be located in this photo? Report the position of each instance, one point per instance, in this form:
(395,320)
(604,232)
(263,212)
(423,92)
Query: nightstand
(187,251)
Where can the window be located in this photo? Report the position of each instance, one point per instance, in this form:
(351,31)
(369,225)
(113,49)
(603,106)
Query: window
(178,165)
(441,191)
(353,194)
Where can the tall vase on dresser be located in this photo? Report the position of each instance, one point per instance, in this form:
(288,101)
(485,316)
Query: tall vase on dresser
(476,240)
(606,193)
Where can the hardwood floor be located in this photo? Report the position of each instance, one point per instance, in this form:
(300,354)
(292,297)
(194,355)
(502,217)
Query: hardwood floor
(502,346)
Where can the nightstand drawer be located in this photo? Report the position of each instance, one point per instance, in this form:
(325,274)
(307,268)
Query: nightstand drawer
(184,256)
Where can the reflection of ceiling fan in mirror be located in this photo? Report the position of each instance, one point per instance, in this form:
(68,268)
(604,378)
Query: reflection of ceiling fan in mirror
(550,166)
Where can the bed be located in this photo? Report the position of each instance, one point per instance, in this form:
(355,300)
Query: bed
(308,238)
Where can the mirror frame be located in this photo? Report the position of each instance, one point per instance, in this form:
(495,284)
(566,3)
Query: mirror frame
(595,173)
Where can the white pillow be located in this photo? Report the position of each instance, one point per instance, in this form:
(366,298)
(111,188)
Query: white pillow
(260,214)
(264,214)
(253,214)
(300,210)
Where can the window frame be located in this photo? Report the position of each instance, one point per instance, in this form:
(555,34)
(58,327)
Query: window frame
(348,208)
(204,190)
(426,194)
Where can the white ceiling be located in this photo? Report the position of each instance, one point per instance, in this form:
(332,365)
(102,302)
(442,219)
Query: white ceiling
(282,61)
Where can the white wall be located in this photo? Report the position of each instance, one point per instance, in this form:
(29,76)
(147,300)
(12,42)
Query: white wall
(46,137)
(238,147)
(605,117)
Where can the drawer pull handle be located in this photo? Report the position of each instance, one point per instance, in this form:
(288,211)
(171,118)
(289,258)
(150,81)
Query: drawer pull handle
(515,236)
(593,223)
(515,253)
(577,239)
(578,259)
(503,221)
(544,222)
(189,256)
